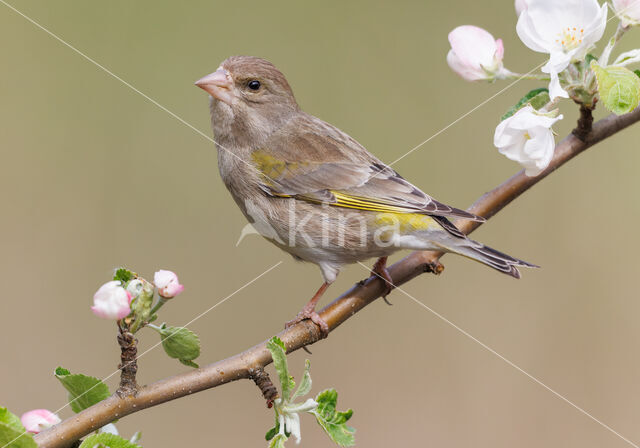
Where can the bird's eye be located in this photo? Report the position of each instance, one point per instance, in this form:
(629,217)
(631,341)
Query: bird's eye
(253,84)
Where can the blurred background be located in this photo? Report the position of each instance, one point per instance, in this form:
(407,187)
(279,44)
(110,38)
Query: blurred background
(94,176)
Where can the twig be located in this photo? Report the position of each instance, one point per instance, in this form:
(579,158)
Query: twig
(245,364)
(585,122)
(128,362)
(264,383)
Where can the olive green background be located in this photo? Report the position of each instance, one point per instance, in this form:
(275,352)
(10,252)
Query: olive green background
(94,176)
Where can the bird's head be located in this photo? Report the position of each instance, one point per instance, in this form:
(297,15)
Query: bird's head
(250,99)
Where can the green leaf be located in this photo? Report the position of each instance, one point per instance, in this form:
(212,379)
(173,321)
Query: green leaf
(589,58)
(180,343)
(278,441)
(12,433)
(84,391)
(619,88)
(637,72)
(278,353)
(105,439)
(332,421)
(62,371)
(305,383)
(124,275)
(272,432)
(538,98)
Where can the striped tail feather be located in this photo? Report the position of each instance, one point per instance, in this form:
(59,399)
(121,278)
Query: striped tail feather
(491,257)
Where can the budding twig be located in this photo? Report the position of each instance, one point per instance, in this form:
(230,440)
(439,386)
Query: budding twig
(128,362)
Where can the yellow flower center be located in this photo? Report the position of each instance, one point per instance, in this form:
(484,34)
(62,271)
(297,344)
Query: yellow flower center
(570,38)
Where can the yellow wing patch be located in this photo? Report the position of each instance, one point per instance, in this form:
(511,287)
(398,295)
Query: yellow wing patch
(406,222)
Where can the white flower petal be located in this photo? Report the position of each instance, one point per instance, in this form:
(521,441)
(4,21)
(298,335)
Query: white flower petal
(628,57)
(292,422)
(470,73)
(529,35)
(596,28)
(520,6)
(555,89)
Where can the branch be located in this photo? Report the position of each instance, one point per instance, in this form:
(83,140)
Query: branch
(245,365)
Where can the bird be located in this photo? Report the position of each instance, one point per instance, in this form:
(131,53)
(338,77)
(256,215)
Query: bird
(316,192)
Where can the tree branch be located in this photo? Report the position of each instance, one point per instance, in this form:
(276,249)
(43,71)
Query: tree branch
(245,365)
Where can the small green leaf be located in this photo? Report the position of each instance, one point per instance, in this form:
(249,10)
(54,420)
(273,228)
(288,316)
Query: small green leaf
(180,343)
(305,383)
(278,353)
(538,98)
(105,439)
(272,432)
(62,371)
(332,421)
(589,58)
(619,88)
(278,441)
(84,391)
(12,433)
(124,275)
(637,72)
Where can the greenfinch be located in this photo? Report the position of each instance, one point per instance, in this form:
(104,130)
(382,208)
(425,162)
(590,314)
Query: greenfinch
(314,191)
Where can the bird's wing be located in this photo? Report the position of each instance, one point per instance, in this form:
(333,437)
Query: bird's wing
(334,169)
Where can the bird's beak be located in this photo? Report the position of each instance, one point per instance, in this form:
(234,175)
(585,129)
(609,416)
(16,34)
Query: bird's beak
(218,84)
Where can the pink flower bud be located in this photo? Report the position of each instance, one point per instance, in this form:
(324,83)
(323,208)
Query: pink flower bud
(111,301)
(475,54)
(39,420)
(628,11)
(167,284)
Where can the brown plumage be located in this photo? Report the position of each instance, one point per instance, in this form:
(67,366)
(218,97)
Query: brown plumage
(313,190)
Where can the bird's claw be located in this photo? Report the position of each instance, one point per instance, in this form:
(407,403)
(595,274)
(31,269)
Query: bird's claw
(380,271)
(313,317)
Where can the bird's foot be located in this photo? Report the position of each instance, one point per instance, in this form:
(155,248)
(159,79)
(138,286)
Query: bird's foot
(310,313)
(380,271)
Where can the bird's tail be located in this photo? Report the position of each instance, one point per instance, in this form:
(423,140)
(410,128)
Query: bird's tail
(491,257)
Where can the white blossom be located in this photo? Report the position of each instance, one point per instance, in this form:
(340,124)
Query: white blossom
(526,137)
(566,30)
